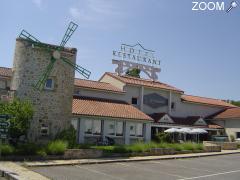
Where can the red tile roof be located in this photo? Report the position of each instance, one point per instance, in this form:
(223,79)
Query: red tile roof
(96,85)
(6,72)
(143,82)
(89,106)
(214,126)
(204,100)
(231,113)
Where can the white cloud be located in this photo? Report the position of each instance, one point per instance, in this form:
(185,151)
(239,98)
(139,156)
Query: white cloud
(98,13)
(38,3)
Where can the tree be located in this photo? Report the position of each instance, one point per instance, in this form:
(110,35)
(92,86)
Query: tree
(135,72)
(236,103)
(21,113)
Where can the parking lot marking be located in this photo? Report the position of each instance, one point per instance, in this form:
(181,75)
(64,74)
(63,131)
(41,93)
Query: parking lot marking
(150,170)
(210,175)
(99,172)
(197,162)
(185,167)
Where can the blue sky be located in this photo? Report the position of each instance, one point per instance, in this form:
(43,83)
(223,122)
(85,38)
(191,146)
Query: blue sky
(199,50)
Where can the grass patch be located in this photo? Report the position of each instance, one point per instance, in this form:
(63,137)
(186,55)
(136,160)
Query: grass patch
(146,147)
(57,147)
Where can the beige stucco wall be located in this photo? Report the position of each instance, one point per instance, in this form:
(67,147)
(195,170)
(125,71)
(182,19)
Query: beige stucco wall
(108,79)
(231,126)
(184,109)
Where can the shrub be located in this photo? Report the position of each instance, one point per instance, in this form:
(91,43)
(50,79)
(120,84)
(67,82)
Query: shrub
(57,147)
(232,138)
(199,146)
(188,146)
(238,146)
(177,147)
(21,113)
(83,146)
(120,149)
(6,149)
(68,135)
(137,147)
(27,149)
(162,138)
(42,153)
(104,148)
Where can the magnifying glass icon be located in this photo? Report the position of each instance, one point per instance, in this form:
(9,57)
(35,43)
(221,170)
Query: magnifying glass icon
(233,4)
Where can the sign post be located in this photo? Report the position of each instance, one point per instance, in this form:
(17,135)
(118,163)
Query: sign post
(4,126)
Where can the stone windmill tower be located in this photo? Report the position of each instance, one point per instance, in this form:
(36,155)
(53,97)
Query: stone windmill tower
(44,74)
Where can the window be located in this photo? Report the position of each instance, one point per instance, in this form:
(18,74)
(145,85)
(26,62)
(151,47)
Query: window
(119,129)
(132,129)
(136,129)
(139,129)
(173,106)
(44,130)
(2,84)
(93,127)
(49,84)
(96,127)
(134,101)
(237,135)
(111,127)
(88,126)
(115,128)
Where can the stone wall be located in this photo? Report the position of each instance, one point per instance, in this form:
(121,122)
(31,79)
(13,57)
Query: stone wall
(223,145)
(82,153)
(52,108)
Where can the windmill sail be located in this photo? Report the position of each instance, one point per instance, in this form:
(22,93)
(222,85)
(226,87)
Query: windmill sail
(84,72)
(24,34)
(44,77)
(69,32)
(55,54)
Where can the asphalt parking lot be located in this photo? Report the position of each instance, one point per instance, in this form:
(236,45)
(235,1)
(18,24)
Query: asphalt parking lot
(225,167)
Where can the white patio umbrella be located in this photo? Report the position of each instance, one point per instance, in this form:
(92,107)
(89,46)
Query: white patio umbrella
(184,131)
(198,131)
(172,130)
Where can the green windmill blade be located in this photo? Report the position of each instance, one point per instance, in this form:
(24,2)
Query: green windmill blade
(69,32)
(26,35)
(41,82)
(84,72)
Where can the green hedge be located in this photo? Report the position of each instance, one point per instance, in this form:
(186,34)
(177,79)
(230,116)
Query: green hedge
(6,149)
(145,147)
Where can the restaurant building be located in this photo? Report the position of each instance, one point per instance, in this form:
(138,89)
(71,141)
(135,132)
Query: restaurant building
(117,106)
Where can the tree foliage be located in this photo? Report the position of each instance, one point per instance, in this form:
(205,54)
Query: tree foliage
(236,103)
(69,135)
(135,72)
(21,113)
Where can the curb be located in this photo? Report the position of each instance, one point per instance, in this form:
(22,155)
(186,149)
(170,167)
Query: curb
(8,175)
(127,160)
